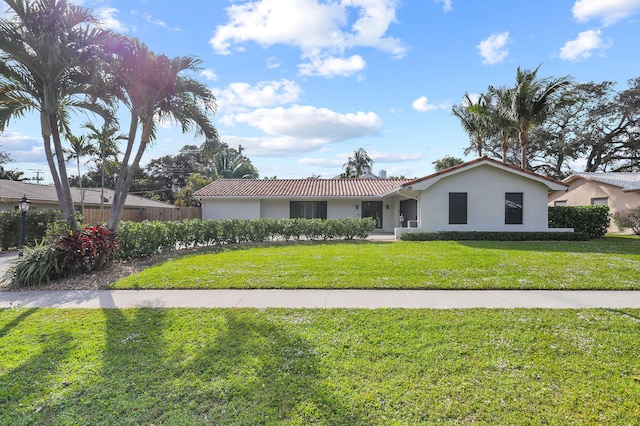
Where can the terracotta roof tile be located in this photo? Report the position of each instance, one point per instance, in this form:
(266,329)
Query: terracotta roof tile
(299,188)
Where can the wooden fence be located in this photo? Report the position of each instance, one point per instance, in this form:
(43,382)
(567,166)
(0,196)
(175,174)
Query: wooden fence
(164,214)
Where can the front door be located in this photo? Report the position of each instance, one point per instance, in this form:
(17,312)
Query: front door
(373,209)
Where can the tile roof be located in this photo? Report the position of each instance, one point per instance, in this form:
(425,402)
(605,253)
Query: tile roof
(628,181)
(299,188)
(13,190)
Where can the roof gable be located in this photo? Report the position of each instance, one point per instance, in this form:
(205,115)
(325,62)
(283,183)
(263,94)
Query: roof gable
(299,188)
(628,181)
(427,181)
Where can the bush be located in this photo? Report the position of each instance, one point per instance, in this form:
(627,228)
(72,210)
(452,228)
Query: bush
(146,238)
(628,219)
(35,227)
(36,266)
(87,250)
(591,220)
(493,236)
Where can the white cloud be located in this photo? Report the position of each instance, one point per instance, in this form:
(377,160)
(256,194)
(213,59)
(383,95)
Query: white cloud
(150,19)
(308,124)
(264,94)
(209,74)
(319,29)
(493,49)
(447,5)
(583,46)
(609,12)
(106,15)
(23,149)
(329,67)
(422,105)
(273,63)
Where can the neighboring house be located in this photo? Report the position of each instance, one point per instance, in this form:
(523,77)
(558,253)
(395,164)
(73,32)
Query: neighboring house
(480,195)
(44,197)
(618,190)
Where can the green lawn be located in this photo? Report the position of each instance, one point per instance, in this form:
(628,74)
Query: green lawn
(608,263)
(275,366)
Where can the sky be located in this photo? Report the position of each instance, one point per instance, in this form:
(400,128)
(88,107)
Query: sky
(302,84)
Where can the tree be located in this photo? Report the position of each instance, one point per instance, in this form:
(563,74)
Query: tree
(500,126)
(229,163)
(154,88)
(358,165)
(474,123)
(446,162)
(184,196)
(532,100)
(49,51)
(610,133)
(79,146)
(106,137)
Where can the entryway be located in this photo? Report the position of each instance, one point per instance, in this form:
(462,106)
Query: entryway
(373,209)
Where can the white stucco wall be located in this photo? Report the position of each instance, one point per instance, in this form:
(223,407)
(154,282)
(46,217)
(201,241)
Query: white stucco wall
(230,209)
(485,187)
(279,208)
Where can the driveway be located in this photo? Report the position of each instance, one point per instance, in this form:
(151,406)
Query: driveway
(6,259)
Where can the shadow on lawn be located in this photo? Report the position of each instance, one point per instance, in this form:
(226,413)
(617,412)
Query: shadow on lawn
(606,245)
(165,367)
(24,389)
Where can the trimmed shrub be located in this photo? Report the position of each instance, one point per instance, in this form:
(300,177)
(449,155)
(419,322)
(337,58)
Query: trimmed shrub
(591,220)
(493,236)
(628,219)
(141,239)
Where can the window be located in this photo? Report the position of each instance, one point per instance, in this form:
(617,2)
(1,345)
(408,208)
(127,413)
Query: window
(513,208)
(457,208)
(308,209)
(604,201)
(560,203)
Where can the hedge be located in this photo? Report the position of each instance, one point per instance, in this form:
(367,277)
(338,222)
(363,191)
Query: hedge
(141,239)
(493,236)
(591,220)
(37,223)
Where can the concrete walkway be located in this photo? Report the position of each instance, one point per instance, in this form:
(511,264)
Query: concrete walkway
(371,299)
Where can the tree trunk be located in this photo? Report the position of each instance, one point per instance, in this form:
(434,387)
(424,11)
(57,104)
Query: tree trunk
(66,202)
(524,145)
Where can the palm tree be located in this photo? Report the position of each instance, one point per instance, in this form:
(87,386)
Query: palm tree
(473,122)
(229,163)
(106,138)
(153,89)
(79,146)
(47,51)
(358,165)
(532,100)
(501,125)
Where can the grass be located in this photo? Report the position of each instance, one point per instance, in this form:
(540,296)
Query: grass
(238,367)
(608,263)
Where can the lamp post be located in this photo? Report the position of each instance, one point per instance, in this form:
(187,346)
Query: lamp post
(23,206)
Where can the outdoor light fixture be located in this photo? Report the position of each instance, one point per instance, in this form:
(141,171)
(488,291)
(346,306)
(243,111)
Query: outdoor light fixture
(23,206)
(387,206)
(357,207)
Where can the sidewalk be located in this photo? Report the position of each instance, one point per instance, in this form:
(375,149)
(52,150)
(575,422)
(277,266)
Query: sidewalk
(368,299)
